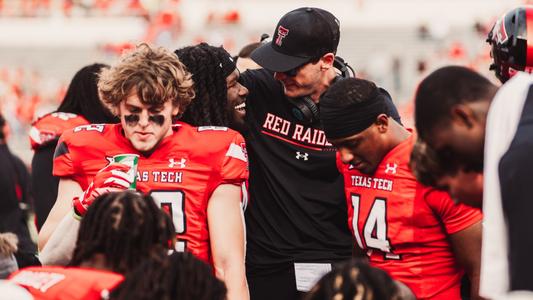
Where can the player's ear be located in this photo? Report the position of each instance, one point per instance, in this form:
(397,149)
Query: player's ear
(175,110)
(382,121)
(327,60)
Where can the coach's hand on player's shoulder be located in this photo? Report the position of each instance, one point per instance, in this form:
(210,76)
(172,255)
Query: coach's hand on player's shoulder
(112,178)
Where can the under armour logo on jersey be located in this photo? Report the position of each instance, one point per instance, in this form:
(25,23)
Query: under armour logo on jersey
(172,163)
(351,167)
(304,156)
(391,168)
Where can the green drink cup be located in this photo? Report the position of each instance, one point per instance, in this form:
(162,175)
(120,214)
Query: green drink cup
(131,160)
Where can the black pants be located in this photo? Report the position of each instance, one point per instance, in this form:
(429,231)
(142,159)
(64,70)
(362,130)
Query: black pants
(279,285)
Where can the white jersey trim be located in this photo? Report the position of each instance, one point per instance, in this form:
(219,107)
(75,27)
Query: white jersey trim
(237,152)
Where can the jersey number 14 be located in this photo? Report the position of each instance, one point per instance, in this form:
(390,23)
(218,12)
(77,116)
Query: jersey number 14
(374,228)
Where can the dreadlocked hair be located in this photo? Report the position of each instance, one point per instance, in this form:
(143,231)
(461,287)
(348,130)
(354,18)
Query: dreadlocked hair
(124,227)
(178,276)
(210,104)
(355,279)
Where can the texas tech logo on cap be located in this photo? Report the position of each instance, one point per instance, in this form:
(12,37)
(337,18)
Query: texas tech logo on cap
(282,33)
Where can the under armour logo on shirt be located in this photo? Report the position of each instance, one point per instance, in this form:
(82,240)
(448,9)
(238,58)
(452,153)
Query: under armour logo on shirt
(180,164)
(304,156)
(391,168)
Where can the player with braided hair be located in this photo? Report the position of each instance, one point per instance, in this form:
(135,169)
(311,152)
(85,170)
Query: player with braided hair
(119,231)
(220,98)
(178,276)
(356,279)
(121,228)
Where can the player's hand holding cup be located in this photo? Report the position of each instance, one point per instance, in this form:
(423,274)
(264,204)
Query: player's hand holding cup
(115,177)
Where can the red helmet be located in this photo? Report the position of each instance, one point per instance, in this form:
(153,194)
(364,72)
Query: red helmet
(512,48)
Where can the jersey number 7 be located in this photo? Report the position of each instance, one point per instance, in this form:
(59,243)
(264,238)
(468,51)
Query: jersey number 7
(375,227)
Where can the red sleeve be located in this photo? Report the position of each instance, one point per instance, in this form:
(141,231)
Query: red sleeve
(234,169)
(49,282)
(454,217)
(50,127)
(63,162)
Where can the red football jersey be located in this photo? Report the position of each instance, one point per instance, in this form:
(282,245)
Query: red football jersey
(59,283)
(181,174)
(403,225)
(49,127)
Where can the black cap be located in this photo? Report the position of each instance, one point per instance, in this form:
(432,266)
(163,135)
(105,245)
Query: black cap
(301,35)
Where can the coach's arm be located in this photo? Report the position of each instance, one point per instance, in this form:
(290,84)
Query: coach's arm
(226,232)
(466,246)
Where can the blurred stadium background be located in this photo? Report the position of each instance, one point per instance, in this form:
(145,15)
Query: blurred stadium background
(393,42)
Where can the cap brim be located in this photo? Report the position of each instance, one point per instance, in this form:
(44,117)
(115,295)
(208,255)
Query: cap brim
(272,60)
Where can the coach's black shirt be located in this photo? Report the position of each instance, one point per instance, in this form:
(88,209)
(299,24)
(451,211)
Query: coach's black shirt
(297,210)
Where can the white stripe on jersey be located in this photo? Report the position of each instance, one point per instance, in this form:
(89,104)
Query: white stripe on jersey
(212,128)
(35,135)
(236,152)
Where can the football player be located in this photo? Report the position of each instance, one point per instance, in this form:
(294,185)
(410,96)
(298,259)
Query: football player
(463,116)
(415,233)
(194,173)
(177,276)
(220,99)
(81,106)
(119,231)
